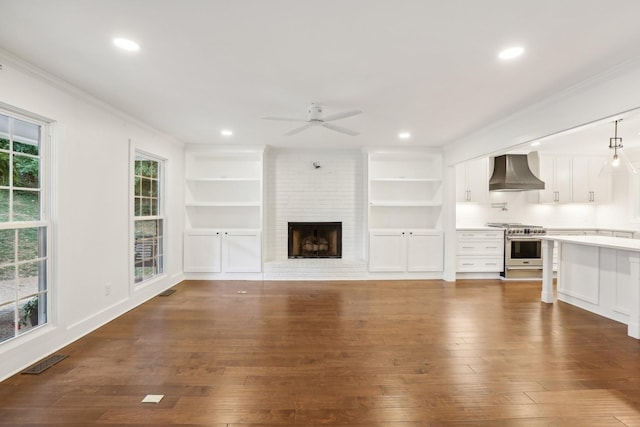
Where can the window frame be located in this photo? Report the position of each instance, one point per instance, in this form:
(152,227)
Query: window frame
(139,154)
(45,199)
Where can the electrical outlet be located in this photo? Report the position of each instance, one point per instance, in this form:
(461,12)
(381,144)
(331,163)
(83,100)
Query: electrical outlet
(107,289)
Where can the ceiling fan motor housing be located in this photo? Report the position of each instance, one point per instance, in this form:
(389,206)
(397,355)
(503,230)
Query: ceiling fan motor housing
(315,112)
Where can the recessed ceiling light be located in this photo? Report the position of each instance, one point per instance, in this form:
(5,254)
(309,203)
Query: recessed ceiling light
(126,44)
(404,135)
(511,53)
(226,132)
(535,143)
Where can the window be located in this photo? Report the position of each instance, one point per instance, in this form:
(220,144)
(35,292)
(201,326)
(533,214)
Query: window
(148,218)
(24,227)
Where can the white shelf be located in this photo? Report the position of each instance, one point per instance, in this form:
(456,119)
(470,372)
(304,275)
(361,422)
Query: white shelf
(407,203)
(403,179)
(224,188)
(221,204)
(405,189)
(223,179)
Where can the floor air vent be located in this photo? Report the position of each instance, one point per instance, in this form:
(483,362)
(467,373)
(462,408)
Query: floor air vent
(166,293)
(44,364)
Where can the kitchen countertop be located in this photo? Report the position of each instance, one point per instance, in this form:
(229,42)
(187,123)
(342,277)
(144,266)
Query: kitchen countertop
(599,241)
(480,228)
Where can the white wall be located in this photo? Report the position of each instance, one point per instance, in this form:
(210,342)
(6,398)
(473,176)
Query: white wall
(298,192)
(91,222)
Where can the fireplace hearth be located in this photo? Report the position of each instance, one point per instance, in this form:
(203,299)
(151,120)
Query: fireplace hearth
(315,240)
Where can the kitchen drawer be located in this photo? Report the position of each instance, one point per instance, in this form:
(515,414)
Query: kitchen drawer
(481,247)
(480,234)
(480,264)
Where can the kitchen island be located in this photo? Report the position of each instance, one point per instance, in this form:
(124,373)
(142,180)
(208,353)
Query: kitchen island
(600,274)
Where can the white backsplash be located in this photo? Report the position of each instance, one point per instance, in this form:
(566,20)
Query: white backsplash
(520,209)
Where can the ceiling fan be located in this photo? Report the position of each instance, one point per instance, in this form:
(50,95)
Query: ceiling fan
(316,119)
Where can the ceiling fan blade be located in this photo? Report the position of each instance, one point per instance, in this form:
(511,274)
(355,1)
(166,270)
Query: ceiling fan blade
(341,129)
(284,119)
(343,115)
(298,130)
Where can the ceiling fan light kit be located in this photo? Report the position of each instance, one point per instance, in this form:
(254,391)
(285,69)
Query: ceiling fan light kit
(316,119)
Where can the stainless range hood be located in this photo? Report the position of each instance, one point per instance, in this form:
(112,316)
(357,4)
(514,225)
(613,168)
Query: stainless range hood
(511,173)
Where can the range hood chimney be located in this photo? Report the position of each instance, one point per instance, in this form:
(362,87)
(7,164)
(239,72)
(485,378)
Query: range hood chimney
(511,173)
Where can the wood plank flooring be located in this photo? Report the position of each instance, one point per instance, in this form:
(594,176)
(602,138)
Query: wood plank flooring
(363,353)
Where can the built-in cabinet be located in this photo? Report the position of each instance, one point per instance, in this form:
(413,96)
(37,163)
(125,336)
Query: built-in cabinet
(405,250)
(224,210)
(472,181)
(404,209)
(480,251)
(574,179)
(222,251)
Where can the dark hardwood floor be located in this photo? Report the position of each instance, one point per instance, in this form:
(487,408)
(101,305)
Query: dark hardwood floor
(386,353)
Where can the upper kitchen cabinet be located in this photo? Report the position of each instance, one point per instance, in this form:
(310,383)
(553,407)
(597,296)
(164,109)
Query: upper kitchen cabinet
(589,185)
(472,181)
(555,171)
(404,189)
(573,179)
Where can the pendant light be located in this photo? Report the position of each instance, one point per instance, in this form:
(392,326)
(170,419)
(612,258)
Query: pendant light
(615,143)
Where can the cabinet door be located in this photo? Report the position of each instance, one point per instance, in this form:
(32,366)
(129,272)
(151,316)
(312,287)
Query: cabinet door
(202,252)
(472,181)
(478,180)
(425,251)
(580,180)
(242,252)
(387,251)
(547,174)
(600,182)
(462,192)
(562,179)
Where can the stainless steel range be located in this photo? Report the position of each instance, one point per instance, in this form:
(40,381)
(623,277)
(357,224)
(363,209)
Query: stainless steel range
(522,250)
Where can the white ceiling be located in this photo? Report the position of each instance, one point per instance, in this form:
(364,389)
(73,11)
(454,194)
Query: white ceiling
(425,66)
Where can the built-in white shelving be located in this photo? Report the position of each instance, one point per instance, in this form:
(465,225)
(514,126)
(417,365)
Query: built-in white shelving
(224,209)
(404,210)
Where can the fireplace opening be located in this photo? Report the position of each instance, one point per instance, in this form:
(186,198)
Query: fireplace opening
(315,240)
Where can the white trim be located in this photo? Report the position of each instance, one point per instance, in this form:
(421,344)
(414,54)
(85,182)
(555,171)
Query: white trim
(45,191)
(134,153)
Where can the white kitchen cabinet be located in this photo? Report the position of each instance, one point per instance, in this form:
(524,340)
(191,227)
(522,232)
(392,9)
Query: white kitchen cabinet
(555,171)
(226,251)
(573,179)
(406,250)
(472,181)
(480,251)
(588,185)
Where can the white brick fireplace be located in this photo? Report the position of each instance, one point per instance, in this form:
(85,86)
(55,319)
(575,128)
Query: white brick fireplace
(314,186)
